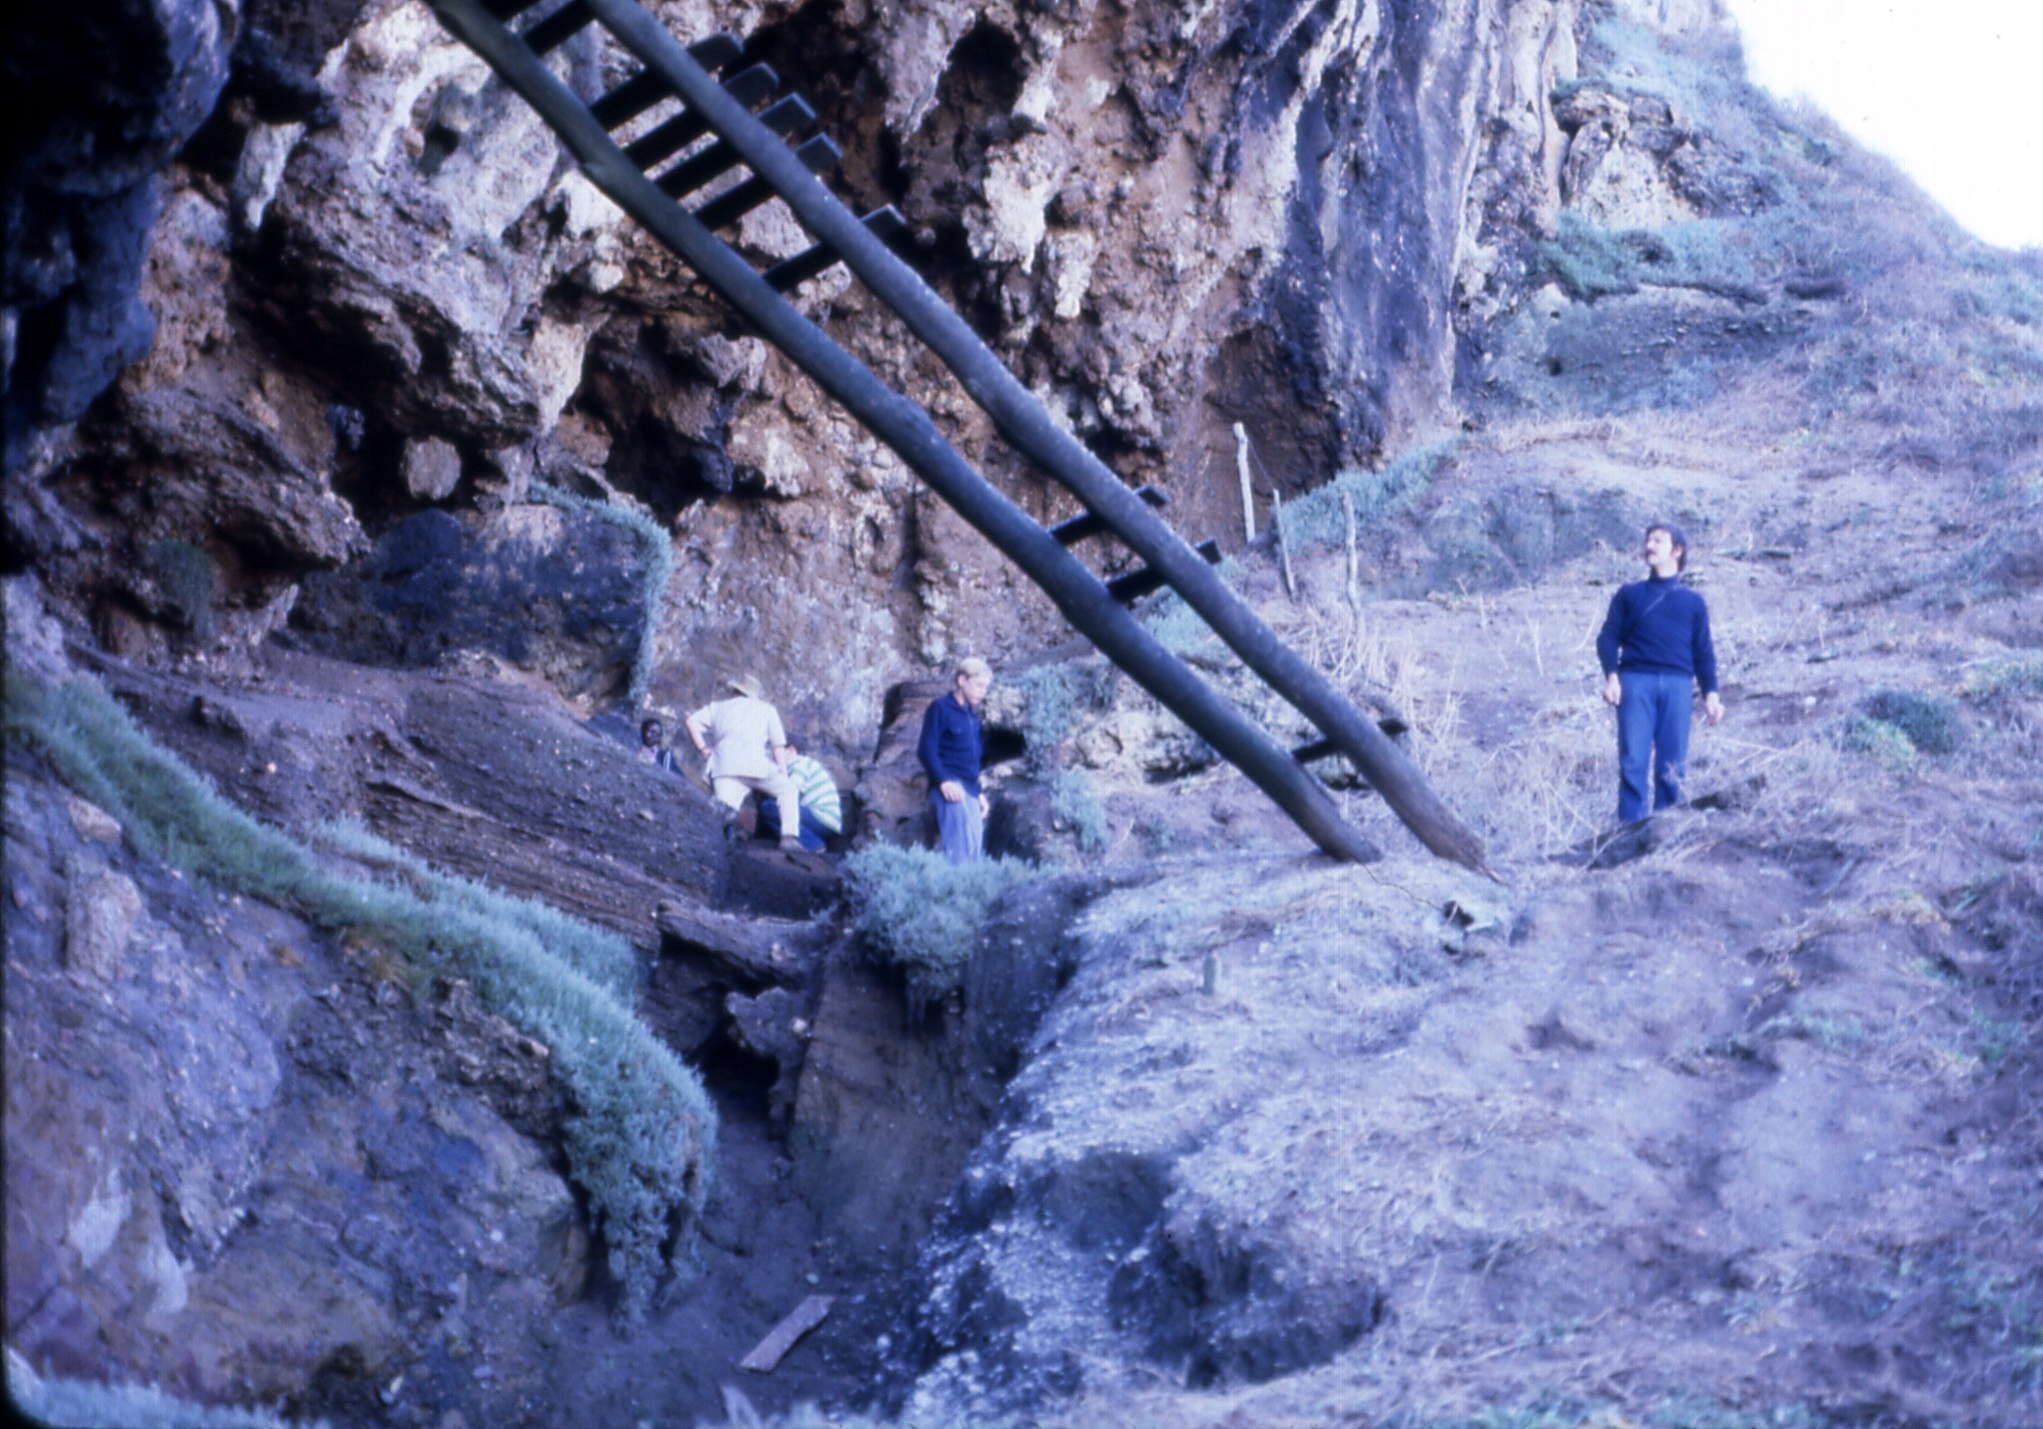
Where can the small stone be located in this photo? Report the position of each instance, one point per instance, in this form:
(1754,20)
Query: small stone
(99,918)
(92,823)
(432,469)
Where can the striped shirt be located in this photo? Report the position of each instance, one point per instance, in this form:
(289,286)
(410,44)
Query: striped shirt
(818,791)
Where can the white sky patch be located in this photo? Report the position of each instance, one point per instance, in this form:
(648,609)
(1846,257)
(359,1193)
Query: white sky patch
(1948,89)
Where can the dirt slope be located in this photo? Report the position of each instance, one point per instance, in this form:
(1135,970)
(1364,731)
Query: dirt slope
(1730,1121)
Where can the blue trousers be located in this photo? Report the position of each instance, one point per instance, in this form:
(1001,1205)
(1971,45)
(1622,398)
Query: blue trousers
(810,835)
(960,833)
(1652,740)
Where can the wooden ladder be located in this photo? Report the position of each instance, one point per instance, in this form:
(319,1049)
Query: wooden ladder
(737,124)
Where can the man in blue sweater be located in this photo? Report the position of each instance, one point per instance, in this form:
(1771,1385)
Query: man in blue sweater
(1654,645)
(951,752)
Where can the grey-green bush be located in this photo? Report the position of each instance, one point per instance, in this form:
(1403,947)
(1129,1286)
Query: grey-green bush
(604,958)
(1931,722)
(917,912)
(1316,518)
(185,575)
(641,1133)
(1588,260)
(2014,675)
(1074,804)
(1052,697)
(1863,734)
(87,1404)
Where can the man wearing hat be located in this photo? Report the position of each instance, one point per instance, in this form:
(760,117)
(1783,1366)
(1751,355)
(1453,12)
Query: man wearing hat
(742,738)
(1655,646)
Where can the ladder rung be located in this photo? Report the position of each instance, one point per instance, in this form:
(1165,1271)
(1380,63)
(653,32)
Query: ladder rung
(885,224)
(645,89)
(748,87)
(720,158)
(1324,746)
(1133,586)
(559,27)
(630,99)
(716,51)
(734,203)
(1070,533)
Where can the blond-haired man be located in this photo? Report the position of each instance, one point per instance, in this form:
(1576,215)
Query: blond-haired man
(951,750)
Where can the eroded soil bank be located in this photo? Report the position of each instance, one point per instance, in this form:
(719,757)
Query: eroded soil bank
(322,1175)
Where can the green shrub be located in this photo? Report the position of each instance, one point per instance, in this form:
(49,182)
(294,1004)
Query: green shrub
(86,1404)
(641,1132)
(604,958)
(1159,835)
(1052,697)
(916,911)
(1719,255)
(185,575)
(655,545)
(1997,1039)
(1690,73)
(1863,734)
(1587,259)
(1930,722)
(1176,626)
(1074,804)
(2018,675)
(1316,519)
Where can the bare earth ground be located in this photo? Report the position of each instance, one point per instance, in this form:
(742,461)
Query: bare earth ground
(1738,1127)
(1746,1125)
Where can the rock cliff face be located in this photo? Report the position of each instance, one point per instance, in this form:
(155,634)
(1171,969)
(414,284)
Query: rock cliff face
(245,1196)
(381,290)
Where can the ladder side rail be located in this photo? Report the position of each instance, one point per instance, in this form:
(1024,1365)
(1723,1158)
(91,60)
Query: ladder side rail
(907,429)
(1023,422)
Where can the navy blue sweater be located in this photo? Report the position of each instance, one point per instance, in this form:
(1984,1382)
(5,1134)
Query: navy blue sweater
(950,747)
(1659,627)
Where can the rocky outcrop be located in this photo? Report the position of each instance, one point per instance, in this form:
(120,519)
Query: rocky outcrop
(248,1163)
(380,283)
(559,593)
(99,99)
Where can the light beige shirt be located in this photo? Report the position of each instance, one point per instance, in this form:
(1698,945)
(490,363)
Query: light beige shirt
(742,734)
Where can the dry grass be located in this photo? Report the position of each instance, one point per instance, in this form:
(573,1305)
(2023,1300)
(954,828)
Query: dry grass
(1551,788)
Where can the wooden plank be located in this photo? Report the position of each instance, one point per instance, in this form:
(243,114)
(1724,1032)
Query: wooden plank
(769,1352)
